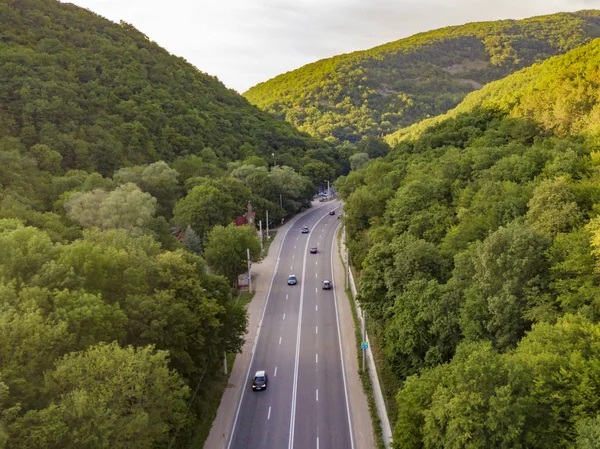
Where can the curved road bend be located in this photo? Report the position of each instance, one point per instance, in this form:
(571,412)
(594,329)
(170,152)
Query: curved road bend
(305,405)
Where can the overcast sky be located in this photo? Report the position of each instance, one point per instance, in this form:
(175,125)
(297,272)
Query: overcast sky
(244,42)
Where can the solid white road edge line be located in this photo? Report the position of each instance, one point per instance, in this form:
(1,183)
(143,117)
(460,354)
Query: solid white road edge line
(337,319)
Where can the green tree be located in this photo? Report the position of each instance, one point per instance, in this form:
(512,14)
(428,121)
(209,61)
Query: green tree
(226,251)
(127,207)
(509,270)
(552,208)
(422,328)
(157,179)
(106,397)
(358,160)
(204,207)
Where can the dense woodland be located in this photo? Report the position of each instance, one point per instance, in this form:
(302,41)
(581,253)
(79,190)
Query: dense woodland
(478,246)
(109,148)
(476,235)
(377,91)
(105,96)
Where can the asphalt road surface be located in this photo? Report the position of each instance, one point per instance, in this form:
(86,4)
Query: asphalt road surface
(305,404)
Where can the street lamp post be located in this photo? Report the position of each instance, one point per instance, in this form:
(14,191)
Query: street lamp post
(274,161)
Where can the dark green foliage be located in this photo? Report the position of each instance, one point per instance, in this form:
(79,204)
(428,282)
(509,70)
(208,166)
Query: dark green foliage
(106,143)
(543,394)
(377,91)
(559,95)
(475,242)
(81,92)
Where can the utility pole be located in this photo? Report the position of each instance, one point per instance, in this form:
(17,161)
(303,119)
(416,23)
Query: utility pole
(261,236)
(274,161)
(249,275)
(328,189)
(267,225)
(225,362)
(281,201)
(364,338)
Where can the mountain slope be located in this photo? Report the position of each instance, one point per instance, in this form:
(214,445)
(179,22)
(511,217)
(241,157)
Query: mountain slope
(378,91)
(105,96)
(560,94)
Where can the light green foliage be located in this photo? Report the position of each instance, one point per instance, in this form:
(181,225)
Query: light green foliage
(204,207)
(23,250)
(540,395)
(157,179)
(588,433)
(126,207)
(377,91)
(558,94)
(106,397)
(84,207)
(226,251)
(358,160)
(552,208)
(509,268)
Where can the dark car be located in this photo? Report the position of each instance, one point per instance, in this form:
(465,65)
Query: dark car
(314,250)
(326,285)
(260,380)
(292,279)
(305,230)
(332,212)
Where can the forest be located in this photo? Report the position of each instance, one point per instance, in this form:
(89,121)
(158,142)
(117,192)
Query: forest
(122,169)
(378,91)
(477,242)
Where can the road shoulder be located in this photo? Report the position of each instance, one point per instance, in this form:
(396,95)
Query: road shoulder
(362,425)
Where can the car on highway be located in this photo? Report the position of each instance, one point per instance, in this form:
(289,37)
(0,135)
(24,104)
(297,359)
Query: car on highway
(292,279)
(314,250)
(260,380)
(326,285)
(305,230)
(332,212)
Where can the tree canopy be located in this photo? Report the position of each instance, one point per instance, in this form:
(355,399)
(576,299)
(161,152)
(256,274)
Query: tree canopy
(377,91)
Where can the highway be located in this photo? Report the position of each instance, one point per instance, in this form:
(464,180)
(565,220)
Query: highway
(305,404)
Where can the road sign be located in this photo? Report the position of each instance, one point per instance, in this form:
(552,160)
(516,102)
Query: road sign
(364,345)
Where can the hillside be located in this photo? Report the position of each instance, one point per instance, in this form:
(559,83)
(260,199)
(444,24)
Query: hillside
(477,241)
(378,91)
(105,96)
(561,94)
(122,169)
